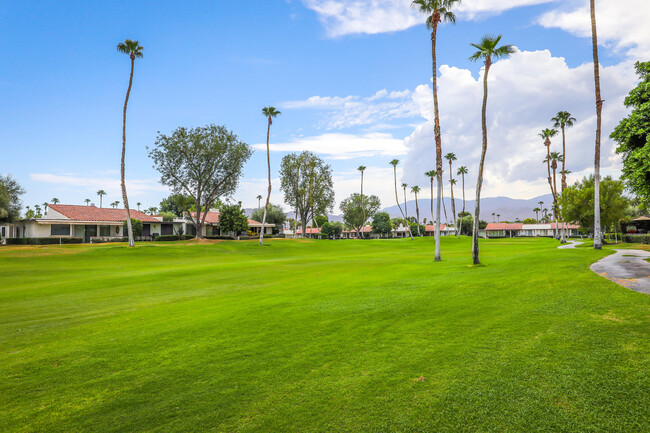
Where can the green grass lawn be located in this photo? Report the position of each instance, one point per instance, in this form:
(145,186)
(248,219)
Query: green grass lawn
(323,336)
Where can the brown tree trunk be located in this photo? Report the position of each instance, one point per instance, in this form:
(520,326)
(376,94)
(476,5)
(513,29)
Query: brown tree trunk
(453,203)
(397,200)
(124,197)
(268,195)
(435,19)
(479,181)
(599,109)
(417,213)
(362,207)
(463,213)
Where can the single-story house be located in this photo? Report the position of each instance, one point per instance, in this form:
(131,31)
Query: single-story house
(211,226)
(511,230)
(87,222)
(445,230)
(503,230)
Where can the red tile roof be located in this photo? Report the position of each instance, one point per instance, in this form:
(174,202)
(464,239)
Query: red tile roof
(504,226)
(92,213)
(213,218)
(568,225)
(311,230)
(431,227)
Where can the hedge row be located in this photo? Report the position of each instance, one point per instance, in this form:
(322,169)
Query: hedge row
(167,238)
(107,240)
(43,241)
(637,239)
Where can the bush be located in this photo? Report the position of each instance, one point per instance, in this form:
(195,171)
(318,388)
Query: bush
(637,239)
(43,241)
(228,238)
(168,238)
(106,240)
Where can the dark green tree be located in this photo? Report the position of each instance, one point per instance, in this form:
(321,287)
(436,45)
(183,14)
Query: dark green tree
(275,215)
(233,219)
(354,214)
(177,204)
(136,226)
(381,224)
(10,204)
(633,137)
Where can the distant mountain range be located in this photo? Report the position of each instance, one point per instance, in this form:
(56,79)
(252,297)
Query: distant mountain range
(509,208)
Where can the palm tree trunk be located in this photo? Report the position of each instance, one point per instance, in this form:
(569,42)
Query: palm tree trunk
(435,19)
(268,194)
(555,210)
(453,203)
(362,207)
(563,182)
(406,211)
(479,181)
(417,213)
(433,217)
(397,200)
(461,218)
(444,208)
(124,197)
(599,109)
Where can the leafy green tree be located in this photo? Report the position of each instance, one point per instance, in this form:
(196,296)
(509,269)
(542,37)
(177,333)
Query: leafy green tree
(487,50)
(381,224)
(205,163)
(529,221)
(233,219)
(327,230)
(134,50)
(136,226)
(466,223)
(275,215)
(354,213)
(437,11)
(633,137)
(338,228)
(10,203)
(168,216)
(396,222)
(177,204)
(269,113)
(307,184)
(578,202)
(320,220)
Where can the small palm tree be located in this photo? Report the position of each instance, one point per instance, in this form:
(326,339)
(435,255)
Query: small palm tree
(101,193)
(259,201)
(394,163)
(45,206)
(431,174)
(139,204)
(270,113)
(498,217)
(55,200)
(436,11)
(134,50)
(462,171)
(452,157)
(87,201)
(563,120)
(416,189)
(153,210)
(493,214)
(487,50)
(536,210)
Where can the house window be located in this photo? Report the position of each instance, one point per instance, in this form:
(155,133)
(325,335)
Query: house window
(104,230)
(60,230)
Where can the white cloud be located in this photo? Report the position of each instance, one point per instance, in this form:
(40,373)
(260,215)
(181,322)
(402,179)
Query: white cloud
(624,27)
(343,146)
(90,184)
(342,17)
(525,91)
(376,181)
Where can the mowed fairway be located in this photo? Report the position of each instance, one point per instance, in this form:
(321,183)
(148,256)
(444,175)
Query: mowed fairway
(327,336)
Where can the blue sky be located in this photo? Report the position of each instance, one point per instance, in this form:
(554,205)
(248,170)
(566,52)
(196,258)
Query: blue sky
(352,79)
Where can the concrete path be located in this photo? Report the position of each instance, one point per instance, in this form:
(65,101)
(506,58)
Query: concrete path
(570,244)
(626,268)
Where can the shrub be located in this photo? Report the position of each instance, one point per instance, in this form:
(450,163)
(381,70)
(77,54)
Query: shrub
(637,239)
(106,240)
(168,238)
(43,241)
(223,237)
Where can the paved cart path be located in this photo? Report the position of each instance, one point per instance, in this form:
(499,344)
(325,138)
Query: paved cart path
(570,244)
(627,268)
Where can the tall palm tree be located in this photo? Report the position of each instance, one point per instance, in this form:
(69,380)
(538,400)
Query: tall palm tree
(101,193)
(487,50)
(442,197)
(55,200)
(431,174)
(452,157)
(270,113)
(498,217)
(394,163)
(462,171)
(599,110)
(139,204)
(536,210)
(87,201)
(361,168)
(45,205)
(437,11)
(554,158)
(547,134)
(406,212)
(259,201)
(133,49)
(493,219)
(415,190)
(562,120)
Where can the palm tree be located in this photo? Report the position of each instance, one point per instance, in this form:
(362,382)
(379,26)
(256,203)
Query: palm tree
(139,204)
(55,200)
(462,171)
(487,50)
(536,210)
(406,213)
(415,190)
(546,134)
(498,217)
(45,205)
(87,201)
(452,157)
(599,110)
(436,11)
(133,49)
(562,120)
(101,193)
(394,163)
(259,201)
(554,158)
(442,197)
(361,168)
(431,174)
(153,210)
(269,112)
